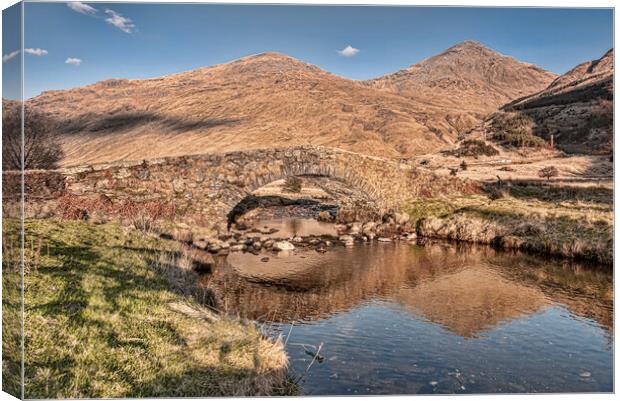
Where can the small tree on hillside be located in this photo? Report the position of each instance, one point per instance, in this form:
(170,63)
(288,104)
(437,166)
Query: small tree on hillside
(292,184)
(548,172)
(41,148)
(463,165)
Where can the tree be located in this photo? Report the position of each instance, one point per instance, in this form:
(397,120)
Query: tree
(292,184)
(463,165)
(41,147)
(548,172)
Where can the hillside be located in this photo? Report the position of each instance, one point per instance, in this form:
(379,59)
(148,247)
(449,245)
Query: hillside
(274,100)
(576,108)
(468,77)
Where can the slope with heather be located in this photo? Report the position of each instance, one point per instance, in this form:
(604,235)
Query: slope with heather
(576,109)
(272,100)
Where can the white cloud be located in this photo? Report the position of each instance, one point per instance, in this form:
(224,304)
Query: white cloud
(348,51)
(11,55)
(36,52)
(82,8)
(123,23)
(73,61)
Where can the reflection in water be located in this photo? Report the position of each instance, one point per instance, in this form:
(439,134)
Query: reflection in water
(398,318)
(287,228)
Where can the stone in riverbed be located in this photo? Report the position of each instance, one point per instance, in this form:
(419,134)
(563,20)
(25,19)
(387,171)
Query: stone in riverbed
(283,246)
(347,239)
(237,248)
(384,239)
(298,240)
(401,218)
(257,245)
(324,216)
(355,228)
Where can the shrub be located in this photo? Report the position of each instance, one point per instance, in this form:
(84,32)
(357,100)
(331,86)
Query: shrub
(41,146)
(520,139)
(463,165)
(548,172)
(142,216)
(515,129)
(292,184)
(475,147)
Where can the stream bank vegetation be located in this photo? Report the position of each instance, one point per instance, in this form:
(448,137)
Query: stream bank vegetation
(111,313)
(571,222)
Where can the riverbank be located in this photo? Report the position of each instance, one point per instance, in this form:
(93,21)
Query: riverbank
(567,222)
(108,316)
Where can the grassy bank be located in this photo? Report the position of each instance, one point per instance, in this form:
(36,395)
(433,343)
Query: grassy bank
(546,220)
(107,315)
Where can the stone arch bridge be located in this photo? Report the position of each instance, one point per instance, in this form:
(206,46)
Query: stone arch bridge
(206,187)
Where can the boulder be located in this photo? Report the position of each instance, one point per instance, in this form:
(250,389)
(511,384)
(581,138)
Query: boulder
(355,228)
(283,246)
(401,218)
(347,239)
(202,243)
(324,216)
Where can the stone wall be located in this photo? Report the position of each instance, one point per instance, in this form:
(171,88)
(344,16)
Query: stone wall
(204,188)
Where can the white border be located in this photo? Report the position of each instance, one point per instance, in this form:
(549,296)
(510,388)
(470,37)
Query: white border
(474,3)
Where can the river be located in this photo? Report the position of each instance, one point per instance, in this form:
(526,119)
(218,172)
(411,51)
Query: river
(402,318)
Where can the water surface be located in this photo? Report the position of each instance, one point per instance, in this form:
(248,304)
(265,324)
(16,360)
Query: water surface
(396,318)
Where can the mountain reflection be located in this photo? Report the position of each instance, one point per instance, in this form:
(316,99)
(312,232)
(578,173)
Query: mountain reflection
(465,289)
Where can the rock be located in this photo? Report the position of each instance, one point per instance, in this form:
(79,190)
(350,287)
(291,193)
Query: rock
(355,228)
(341,229)
(298,240)
(347,239)
(268,244)
(370,236)
(201,243)
(265,230)
(401,218)
(283,246)
(257,245)
(214,247)
(314,241)
(321,249)
(384,239)
(369,227)
(328,243)
(237,248)
(324,216)
(265,259)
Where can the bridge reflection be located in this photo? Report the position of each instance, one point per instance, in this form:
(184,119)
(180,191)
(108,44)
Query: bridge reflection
(465,289)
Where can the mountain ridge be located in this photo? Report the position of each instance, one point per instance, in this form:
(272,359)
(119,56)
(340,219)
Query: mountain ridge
(265,98)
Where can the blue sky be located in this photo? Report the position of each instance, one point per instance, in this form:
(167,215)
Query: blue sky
(76,46)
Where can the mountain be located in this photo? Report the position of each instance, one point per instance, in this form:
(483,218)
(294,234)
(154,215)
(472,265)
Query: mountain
(269,100)
(468,77)
(576,108)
